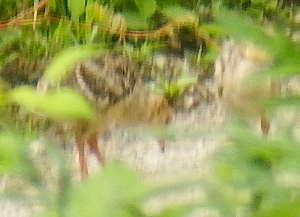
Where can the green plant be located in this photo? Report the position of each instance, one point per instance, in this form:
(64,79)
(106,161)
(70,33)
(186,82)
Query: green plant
(173,89)
(253,176)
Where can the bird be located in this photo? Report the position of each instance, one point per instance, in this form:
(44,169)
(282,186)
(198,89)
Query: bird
(116,88)
(235,65)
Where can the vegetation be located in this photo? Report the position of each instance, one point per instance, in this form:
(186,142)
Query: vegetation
(254,176)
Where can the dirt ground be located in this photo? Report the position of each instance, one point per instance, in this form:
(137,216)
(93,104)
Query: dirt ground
(183,156)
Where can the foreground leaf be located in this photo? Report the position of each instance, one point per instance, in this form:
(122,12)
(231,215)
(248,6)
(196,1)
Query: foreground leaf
(59,104)
(9,151)
(115,192)
(146,8)
(76,7)
(60,65)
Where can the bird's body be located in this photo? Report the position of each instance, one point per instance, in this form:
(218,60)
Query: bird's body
(107,79)
(234,67)
(116,88)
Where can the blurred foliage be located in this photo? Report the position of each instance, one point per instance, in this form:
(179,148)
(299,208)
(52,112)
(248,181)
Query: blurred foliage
(253,176)
(257,176)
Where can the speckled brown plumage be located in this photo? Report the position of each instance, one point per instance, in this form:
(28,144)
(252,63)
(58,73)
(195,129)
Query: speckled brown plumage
(117,90)
(108,79)
(23,70)
(234,67)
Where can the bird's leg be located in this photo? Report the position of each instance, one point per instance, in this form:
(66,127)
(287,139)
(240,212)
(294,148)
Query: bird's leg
(93,143)
(264,123)
(80,142)
(162,145)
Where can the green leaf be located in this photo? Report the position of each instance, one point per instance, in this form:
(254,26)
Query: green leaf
(175,11)
(62,62)
(210,56)
(135,21)
(146,8)
(53,5)
(276,102)
(209,29)
(76,7)
(256,13)
(96,12)
(178,211)
(26,97)
(286,207)
(63,33)
(234,24)
(285,52)
(115,192)
(9,151)
(65,103)
(272,5)
(59,104)
(185,81)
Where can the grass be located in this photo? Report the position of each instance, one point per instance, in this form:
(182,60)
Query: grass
(253,176)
